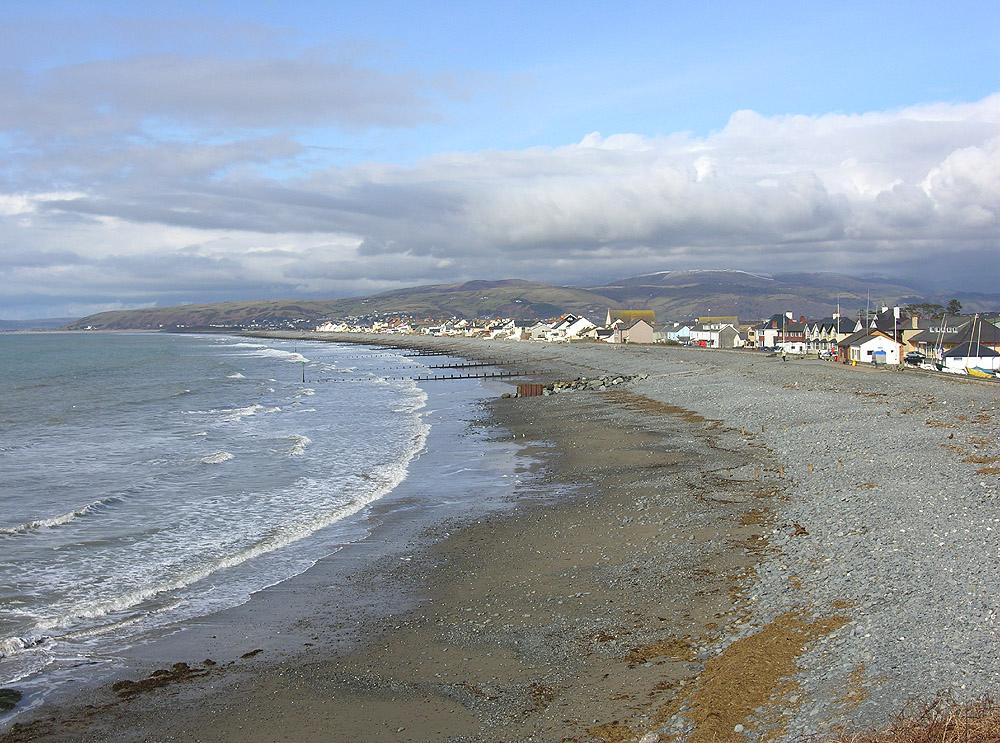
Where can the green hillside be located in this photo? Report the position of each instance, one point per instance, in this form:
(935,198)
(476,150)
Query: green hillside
(673,294)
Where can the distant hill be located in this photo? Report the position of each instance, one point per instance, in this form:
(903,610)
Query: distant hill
(45,323)
(681,294)
(508,298)
(673,294)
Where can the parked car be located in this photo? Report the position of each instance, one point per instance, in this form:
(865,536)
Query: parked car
(826,355)
(914,358)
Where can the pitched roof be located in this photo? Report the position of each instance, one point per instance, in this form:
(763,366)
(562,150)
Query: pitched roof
(630,316)
(886,321)
(839,324)
(979,332)
(862,336)
(637,321)
(970,350)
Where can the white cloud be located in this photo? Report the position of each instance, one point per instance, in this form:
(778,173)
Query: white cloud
(882,191)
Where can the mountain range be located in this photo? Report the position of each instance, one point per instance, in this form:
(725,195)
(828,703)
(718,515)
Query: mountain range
(673,294)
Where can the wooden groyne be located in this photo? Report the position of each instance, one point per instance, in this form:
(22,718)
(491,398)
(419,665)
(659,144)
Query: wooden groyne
(426,378)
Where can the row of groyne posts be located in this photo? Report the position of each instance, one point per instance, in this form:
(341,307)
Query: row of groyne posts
(484,369)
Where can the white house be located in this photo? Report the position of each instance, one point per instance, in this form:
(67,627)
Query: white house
(870,346)
(578,327)
(971,356)
(716,335)
(679,333)
(332,327)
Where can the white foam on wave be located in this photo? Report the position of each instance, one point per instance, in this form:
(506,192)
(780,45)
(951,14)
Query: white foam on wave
(237,375)
(299,444)
(246,345)
(11,645)
(383,482)
(217,458)
(277,353)
(235,414)
(307,392)
(64,518)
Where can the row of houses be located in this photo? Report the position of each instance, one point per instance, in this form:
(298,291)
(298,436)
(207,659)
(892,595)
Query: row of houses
(620,326)
(885,336)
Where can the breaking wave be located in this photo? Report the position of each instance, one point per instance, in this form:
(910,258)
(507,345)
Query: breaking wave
(280,537)
(237,375)
(299,444)
(277,353)
(217,458)
(11,645)
(64,518)
(235,414)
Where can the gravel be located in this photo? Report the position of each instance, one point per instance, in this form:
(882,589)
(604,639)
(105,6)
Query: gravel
(901,532)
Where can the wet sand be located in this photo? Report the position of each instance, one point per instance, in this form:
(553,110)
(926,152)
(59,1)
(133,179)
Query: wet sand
(586,616)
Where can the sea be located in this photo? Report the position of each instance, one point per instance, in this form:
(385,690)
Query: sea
(147,479)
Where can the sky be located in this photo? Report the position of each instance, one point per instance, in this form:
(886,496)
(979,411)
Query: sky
(239,150)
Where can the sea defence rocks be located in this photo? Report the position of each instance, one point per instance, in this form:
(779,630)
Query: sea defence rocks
(583,384)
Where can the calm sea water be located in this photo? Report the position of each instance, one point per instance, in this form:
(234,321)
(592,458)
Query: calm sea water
(147,478)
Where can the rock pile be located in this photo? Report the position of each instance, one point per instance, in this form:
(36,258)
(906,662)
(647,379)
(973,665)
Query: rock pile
(584,384)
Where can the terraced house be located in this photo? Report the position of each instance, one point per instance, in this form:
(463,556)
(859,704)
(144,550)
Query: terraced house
(825,334)
(783,332)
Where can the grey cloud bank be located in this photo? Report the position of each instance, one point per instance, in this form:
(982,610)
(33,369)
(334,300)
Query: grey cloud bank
(97,182)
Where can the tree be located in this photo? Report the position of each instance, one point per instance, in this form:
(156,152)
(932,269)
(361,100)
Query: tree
(924,309)
(954,307)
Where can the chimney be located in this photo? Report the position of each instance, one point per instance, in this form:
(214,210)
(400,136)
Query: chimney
(836,315)
(789,315)
(885,308)
(914,322)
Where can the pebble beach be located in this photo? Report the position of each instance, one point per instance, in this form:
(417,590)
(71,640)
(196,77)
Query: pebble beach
(740,548)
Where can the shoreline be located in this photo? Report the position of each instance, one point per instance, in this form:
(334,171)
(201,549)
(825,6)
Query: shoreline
(384,527)
(708,578)
(457,554)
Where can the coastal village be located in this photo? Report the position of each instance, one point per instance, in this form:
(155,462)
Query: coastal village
(887,336)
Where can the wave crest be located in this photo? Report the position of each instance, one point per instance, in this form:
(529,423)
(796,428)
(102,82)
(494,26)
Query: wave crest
(64,518)
(217,458)
(299,444)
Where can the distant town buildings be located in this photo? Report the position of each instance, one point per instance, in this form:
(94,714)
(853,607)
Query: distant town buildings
(887,336)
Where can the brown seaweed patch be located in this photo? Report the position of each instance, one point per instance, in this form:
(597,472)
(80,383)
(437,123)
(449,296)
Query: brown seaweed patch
(612,732)
(980,459)
(162,677)
(940,424)
(755,517)
(749,674)
(855,692)
(643,404)
(674,648)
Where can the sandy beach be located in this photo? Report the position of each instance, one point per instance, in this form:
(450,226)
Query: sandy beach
(731,548)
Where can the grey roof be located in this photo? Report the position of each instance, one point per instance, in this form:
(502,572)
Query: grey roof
(980,332)
(970,350)
(885,321)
